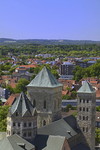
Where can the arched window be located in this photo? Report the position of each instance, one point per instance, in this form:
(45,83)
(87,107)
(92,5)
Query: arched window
(34,102)
(44,105)
(44,122)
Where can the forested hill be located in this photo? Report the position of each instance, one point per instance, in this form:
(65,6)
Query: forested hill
(6,41)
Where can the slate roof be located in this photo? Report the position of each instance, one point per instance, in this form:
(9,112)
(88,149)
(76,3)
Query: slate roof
(22,105)
(86,88)
(44,79)
(55,143)
(13,143)
(49,142)
(64,127)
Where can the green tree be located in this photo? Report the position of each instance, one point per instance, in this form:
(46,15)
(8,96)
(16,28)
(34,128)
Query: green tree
(21,85)
(3,116)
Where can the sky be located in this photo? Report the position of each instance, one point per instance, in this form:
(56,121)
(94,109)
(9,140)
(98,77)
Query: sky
(50,19)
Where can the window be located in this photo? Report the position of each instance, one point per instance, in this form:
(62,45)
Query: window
(29,124)
(25,124)
(83,108)
(44,122)
(18,124)
(13,132)
(83,100)
(34,103)
(87,101)
(80,108)
(80,100)
(83,129)
(14,124)
(87,109)
(83,117)
(44,105)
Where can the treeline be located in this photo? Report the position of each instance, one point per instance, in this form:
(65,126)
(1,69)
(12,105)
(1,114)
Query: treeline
(91,71)
(64,50)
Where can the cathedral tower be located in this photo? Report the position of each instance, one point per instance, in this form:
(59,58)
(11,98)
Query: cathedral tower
(44,92)
(86,104)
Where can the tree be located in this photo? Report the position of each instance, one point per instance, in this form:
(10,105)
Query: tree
(3,116)
(21,85)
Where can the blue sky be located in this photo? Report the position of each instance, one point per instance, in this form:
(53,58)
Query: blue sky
(50,19)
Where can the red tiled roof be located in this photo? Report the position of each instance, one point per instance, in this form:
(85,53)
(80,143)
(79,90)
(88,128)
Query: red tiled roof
(11,99)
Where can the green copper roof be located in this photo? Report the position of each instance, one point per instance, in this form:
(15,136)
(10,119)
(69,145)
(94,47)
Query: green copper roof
(14,142)
(86,88)
(22,105)
(44,79)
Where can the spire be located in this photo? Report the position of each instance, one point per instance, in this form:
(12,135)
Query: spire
(44,79)
(22,105)
(86,88)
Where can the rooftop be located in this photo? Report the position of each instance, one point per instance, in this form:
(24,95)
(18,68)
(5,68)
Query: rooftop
(86,88)
(44,79)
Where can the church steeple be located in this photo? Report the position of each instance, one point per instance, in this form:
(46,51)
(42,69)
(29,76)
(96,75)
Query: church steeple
(86,113)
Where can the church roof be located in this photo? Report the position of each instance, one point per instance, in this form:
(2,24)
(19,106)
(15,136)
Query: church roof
(86,88)
(15,142)
(63,127)
(22,105)
(44,79)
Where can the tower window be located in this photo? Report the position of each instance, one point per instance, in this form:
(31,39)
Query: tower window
(18,124)
(44,122)
(14,124)
(44,106)
(83,129)
(34,103)
(25,124)
(87,101)
(29,124)
(83,117)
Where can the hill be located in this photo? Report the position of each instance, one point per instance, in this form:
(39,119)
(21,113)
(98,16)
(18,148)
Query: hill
(6,41)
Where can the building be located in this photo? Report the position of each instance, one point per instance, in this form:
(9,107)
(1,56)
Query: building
(53,132)
(22,119)
(66,70)
(86,105)
(44,92)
